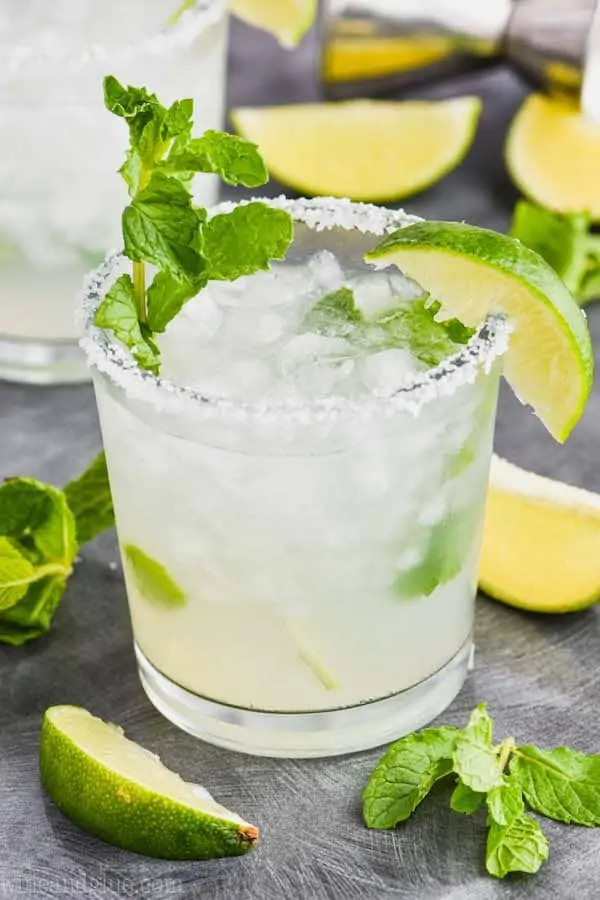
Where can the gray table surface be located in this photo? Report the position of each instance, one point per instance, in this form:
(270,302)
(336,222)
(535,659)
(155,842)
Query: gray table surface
(539,675)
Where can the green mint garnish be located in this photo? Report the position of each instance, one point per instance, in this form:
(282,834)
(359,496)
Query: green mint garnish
(561,784)
(565,242)
(163,228)
(406,774)
(409,326)
(90,501)
(152,579)
(41,529)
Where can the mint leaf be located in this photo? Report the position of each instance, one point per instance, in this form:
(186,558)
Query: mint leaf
(152,579)
(166,296)
(406,774)
(31,617)
(24,504)
(448,544)
(334,314)
(518,847)
(505,804)
(245,240)
(118,313)
(136,105)
(559,239)
(161,226)
(187,4)
(465,800)
(178,119)
(16,574)
(234,159)
(413,327)
(55,537)
(561,784)
(590,287)
(475,760)
(90,500)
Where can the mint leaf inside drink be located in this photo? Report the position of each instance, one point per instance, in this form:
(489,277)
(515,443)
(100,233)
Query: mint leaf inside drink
(162,226)
(152,580)
(561,784)
(406,774)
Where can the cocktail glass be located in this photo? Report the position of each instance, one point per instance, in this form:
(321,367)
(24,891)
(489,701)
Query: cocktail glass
(60,202)
(301,570)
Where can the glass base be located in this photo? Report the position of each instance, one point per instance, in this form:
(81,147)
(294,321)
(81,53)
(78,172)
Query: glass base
(304,735)
(42,362)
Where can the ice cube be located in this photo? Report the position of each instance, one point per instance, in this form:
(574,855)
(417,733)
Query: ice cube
(271,327)
(389,369)
(326,271)
(378,292)
(316,363)
(203,316)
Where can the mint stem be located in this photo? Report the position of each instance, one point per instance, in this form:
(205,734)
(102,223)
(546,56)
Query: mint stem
(506,748)
(139,286)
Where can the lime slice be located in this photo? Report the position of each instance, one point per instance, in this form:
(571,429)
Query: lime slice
(540,545)
(122,793)
(474,272)
(553,154)
(288,20)
(362,149)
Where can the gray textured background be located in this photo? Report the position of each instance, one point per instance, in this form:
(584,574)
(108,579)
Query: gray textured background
(539,675)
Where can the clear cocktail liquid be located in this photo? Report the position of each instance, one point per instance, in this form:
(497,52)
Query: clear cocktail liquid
(315,484)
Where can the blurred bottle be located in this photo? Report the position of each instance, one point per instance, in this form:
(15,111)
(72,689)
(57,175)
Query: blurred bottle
(374,47)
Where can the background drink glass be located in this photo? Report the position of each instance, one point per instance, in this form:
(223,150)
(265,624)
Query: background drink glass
(327,549)
(60,201)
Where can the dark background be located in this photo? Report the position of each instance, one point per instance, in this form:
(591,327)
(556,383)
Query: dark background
(539,674)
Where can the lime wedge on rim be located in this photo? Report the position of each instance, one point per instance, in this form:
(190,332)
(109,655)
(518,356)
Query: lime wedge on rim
(474,272)
(373,150)
(287,20)
(540,542)
(122,793)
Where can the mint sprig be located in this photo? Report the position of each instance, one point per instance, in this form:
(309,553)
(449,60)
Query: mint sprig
(561,784)
(163,228)
(41,530)
(565,241)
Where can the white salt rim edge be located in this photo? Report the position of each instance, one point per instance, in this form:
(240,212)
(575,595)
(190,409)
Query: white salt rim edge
(113,359)
(36,59)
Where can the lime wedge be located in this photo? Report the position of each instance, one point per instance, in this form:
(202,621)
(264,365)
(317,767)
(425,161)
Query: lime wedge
(288,20)
(553,155)
(362,149)
(122,793)
(474,272)
(540,544)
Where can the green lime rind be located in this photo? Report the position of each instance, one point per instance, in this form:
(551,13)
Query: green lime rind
(124,812)
(534,295)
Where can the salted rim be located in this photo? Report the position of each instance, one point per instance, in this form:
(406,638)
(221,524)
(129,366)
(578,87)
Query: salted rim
(113,359)
(187,27)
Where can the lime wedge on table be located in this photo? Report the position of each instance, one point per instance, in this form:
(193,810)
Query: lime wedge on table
(122,793)
(474,272)
(541,545)
(553,154)
(288,20)
(362,149)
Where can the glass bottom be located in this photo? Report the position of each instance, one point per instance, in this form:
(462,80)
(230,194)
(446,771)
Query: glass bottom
(304,735)
(42,362)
